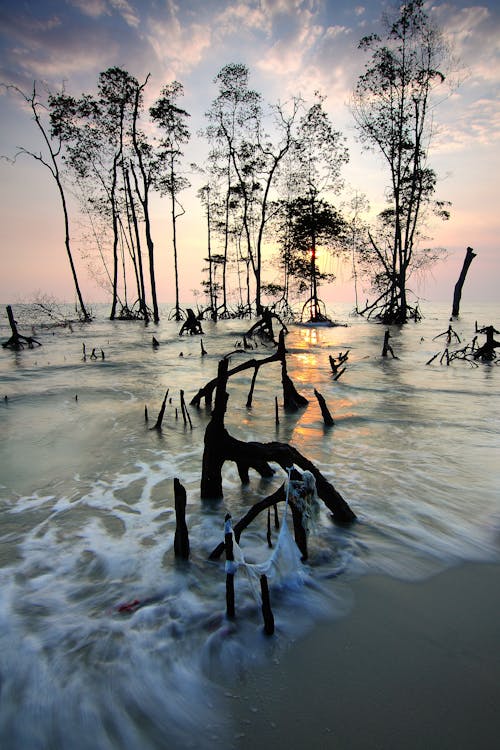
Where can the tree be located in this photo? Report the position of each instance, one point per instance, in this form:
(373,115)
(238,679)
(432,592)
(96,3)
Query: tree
(306,224)
(95,130)
(112,162)
(308,219)
(248,158)
(172,122)
(143,171)
(50,160)
(392,107)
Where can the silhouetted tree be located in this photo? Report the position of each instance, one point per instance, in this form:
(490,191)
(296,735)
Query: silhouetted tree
(54,146)
(248,158)
(307,219)
(392,110)
(172,122)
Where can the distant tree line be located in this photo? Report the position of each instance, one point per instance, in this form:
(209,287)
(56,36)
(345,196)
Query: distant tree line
(271,180)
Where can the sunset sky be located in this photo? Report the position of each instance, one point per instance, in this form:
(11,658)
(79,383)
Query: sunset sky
(291,47)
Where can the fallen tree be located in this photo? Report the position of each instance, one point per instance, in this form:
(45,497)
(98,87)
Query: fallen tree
(220,446)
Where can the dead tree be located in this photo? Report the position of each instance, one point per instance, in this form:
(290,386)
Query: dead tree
(486,352)
(387,347)
(325,413)
(17,341)
(457,295)
(450,335)
(470,352)
(291,398)
(191,325)
(264,326)
(161,414)
(336,364)
(280,495)
(181,538)
(220,446)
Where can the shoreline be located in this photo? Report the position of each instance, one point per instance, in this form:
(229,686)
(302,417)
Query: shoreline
(413,665)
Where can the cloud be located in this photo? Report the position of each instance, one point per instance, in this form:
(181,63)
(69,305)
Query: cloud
(472,114)
(179,45)
(91,8)
(98,8)
(127,11)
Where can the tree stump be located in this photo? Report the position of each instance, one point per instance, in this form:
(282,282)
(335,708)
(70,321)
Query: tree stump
(191,325)
(457,295)
(181,538)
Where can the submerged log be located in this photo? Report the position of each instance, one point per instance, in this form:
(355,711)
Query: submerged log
(17,341)
(220,446)
(457,295)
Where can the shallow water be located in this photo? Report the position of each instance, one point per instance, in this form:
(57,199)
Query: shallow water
(87,519)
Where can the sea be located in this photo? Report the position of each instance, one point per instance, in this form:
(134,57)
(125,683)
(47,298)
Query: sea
(107,640)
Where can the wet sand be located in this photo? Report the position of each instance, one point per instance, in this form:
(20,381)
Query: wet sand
(413,666)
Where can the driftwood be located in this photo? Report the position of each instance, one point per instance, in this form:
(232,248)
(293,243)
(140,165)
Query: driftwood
(457,295)
(291,398)
(17,341)
(220,446)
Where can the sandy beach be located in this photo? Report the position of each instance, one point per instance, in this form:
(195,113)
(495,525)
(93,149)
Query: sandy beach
(413,665)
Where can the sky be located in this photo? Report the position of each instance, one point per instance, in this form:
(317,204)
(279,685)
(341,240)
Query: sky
(291,47)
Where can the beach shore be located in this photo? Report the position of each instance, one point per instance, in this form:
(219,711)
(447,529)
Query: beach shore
(414,665)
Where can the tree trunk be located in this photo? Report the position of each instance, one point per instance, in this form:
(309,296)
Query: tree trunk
(469,257)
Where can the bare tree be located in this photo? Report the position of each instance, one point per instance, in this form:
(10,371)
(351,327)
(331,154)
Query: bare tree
(54,144)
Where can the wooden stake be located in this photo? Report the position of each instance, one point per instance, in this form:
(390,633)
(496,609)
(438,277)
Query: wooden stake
(267,612)
(228,544)
(161,414)
(269,541)
(181,538)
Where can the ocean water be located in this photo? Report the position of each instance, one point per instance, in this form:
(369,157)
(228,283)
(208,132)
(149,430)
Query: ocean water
(87,516)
